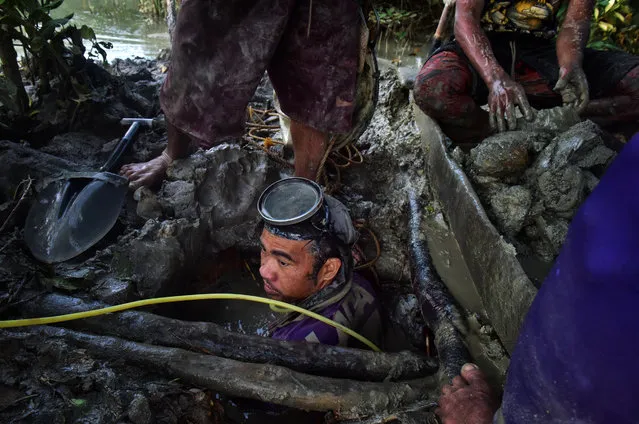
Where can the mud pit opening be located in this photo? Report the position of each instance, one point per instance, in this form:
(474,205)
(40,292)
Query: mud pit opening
(237,272)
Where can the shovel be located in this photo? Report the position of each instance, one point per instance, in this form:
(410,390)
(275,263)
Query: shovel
(442,26)
(74,211)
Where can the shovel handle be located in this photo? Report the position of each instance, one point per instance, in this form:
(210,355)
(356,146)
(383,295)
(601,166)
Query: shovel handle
(120,148)
(441,27)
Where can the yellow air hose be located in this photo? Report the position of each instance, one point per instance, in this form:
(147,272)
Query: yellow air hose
(276,305)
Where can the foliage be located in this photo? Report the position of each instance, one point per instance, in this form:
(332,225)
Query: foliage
(156,8)
(153,8)
(404,20)
(614,26)
(396,21)
(53,49)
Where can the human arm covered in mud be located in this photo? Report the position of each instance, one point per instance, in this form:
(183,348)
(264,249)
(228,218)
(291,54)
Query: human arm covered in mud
(572,39)
(503,93)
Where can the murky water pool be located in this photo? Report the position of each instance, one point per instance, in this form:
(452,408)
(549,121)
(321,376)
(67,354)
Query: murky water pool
(120,23)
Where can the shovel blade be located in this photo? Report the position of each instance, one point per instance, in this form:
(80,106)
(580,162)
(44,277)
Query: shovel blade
(71,215)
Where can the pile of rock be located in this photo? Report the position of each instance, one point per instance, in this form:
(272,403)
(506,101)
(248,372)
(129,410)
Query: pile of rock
(532,182)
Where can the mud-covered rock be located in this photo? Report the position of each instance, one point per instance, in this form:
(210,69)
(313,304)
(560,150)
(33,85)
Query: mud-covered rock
(459,156)
(562,189)
(582,145)
(538,190)
(20,162)
(158,254)
(554,231)
(501,155)
(510,207)
(552,120)
(590,181)
(139,411)
(220,187)
(78,147)
(149,207)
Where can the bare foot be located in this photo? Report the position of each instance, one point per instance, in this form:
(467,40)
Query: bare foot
(469,400)
(147,174)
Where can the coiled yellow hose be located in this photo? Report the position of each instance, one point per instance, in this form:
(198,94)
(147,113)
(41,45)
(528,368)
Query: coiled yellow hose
(277,304)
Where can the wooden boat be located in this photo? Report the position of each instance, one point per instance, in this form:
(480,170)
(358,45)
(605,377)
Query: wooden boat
(477,265)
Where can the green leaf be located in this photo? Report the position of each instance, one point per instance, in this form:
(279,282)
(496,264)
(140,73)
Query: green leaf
(78,402)
(621,17)
(48,29)
(87,33)
(602,45)
(37,44)
(605,26)
(101,51)
(53,5)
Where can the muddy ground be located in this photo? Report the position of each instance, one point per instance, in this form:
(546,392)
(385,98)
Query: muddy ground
(199,228)
(180,238)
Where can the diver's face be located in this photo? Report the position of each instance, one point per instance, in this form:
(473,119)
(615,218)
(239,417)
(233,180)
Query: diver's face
(286,267)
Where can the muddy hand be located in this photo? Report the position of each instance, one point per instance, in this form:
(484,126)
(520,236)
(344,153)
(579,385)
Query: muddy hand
(505,94)
(148,173)
(573,87)
(469,399)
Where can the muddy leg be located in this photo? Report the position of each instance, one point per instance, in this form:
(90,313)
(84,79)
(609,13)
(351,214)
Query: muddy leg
(443,90)
(309,146)
(153,172)
(621,106)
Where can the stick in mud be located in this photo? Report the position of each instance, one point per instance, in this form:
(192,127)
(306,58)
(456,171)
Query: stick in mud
(211,338)
(437,305)
(263,382)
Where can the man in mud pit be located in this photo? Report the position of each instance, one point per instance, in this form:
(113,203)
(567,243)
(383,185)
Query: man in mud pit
(306,259)
(504,53)
(220,51)
(576,357)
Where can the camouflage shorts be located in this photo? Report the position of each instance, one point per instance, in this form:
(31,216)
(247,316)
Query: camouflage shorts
(221,49)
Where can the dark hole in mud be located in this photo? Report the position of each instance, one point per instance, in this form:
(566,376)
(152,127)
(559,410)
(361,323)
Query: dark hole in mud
(234,271)
(231,271)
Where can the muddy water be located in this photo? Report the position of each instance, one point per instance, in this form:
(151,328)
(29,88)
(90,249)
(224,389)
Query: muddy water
(120,23)
(241,316)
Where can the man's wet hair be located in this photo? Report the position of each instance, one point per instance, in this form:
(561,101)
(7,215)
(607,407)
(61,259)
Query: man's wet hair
(326,247)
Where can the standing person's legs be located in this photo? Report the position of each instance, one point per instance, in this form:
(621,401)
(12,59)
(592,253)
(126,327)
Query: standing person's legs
(620,104)
(220,51)
(314,72)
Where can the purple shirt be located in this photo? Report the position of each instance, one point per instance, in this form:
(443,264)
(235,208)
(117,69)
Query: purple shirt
(357,310)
